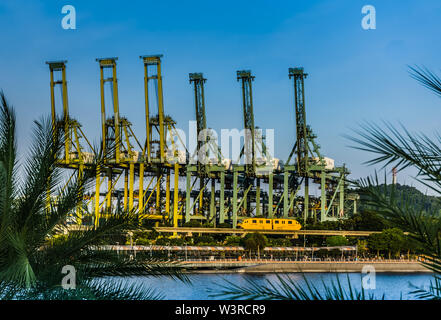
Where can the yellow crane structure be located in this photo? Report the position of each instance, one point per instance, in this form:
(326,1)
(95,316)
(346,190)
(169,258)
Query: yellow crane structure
(74,156)
(159,157)
(152,169)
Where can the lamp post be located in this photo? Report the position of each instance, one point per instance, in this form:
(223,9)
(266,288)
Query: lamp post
(134,250)
(130,233)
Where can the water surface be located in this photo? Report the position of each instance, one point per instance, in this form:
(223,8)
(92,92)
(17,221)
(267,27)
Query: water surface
(392,285)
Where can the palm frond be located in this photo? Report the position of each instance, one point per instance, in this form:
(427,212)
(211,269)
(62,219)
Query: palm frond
(402,150)
(8,162)
(17,267)
(41,173)
(433,292)
(31,259)
(427,78)
(114,289)
(102,289)
(286,288)
(423,225)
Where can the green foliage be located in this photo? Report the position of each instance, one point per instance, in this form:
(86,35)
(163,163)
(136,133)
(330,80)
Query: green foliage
(336,241)
(362,246)
(177,242)
(193,224)
(254,241)
(365,220)
(153,234)
(390,240)
(368,221)
(395,240)
(224,225)
(111,238)
(376,242)
(232,240)
(33,248)
(207,225)
(162,241)
(279,242)
(141,241)
(204,240)
(143,237)
(404,196)
(166,241)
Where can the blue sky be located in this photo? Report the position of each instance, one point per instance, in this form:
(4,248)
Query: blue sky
(354,74)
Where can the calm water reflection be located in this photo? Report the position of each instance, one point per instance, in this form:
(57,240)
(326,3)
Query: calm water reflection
(393,285)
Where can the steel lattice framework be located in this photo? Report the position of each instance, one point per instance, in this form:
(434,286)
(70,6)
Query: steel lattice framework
(227,191)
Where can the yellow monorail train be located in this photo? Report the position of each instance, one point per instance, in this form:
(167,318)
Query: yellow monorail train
(269,224)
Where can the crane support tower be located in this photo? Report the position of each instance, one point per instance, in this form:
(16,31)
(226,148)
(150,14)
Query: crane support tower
(75,158)
(162,181)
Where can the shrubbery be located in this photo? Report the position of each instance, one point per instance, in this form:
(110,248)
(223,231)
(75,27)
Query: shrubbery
(193,224)
(391,241)
(224,225)
(204,241)
(171,241)
(232,241)
(254,241)
(336,241)
(279,242)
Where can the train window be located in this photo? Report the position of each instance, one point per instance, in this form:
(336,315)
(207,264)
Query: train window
(261,221)
(254,221)
(289,222)
(276,222)
(268,221)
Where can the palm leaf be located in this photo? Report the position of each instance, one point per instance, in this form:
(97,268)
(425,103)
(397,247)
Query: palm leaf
(427,78)
(286,288)
(30,259)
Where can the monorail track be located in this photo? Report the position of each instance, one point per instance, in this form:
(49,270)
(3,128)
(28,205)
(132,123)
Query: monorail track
(190,231)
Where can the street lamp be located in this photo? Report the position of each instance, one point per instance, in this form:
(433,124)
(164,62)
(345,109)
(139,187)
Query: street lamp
(134,250)
(130,233)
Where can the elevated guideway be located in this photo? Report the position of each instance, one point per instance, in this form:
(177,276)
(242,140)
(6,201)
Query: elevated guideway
(190,231)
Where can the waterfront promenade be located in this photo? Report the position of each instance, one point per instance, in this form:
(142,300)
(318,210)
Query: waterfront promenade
(268,266)
(204,259)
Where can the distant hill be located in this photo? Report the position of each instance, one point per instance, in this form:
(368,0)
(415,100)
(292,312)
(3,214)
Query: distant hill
(413,197)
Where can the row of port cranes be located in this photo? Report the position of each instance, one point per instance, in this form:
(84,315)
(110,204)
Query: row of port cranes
(161,182)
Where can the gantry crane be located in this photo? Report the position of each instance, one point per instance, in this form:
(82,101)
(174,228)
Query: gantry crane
(166,157)
(118,151)
(310,164)
(252,170)
(160,158)
(74,156)
(206,169)
(154,127)
(201,152)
